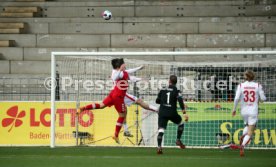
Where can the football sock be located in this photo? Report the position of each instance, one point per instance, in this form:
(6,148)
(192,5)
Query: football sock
(245,130)
(92,106)
(246,140)
(125,127)
(119,125)
(159,138)
(180,131)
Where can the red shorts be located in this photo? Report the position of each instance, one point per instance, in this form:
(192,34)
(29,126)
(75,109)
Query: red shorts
(117,101)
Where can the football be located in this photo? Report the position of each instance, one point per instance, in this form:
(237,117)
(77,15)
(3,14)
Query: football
(106,15)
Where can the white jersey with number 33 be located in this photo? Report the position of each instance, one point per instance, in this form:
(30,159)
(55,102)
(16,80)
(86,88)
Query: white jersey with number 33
(248,93)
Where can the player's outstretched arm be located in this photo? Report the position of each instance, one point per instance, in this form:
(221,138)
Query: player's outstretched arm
(180,101)
(134,69)
(236,100)
(134,79)
(182,106)
(261,94)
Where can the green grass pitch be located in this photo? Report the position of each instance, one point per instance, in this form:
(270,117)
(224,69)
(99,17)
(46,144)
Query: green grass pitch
(132,157)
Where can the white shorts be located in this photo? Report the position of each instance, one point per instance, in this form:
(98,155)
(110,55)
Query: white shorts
(130,99)
(250,119)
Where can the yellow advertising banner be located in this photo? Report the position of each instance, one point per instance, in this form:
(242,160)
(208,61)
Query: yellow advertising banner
(28,123)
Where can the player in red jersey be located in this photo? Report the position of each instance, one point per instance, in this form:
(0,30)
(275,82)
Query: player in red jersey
(116,96)
(131,99)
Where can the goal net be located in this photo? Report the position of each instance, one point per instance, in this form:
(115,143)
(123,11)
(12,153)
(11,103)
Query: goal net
(207,80)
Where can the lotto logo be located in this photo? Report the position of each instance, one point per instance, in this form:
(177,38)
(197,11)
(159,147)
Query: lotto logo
(14,118)
(33,117)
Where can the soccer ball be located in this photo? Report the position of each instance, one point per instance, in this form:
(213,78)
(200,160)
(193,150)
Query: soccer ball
(106,15)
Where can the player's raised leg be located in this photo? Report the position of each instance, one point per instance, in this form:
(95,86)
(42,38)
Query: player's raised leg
(108,101)
(92,106)
(131,99)
(146,106)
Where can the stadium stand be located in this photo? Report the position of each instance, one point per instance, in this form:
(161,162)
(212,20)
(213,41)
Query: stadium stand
(37,27)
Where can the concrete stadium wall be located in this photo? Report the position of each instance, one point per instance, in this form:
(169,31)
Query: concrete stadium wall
(67,25)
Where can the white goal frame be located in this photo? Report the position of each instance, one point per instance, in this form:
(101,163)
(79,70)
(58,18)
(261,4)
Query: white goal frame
(182,53)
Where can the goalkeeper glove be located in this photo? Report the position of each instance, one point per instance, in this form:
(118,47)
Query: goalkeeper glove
(186,117)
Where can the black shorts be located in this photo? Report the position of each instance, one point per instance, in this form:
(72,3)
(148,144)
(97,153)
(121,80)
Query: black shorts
(163,120)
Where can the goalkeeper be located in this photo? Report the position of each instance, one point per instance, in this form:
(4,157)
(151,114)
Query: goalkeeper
(167,98)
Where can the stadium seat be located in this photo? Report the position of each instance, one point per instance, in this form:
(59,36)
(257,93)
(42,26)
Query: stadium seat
(7,43)
(11,28)
(21,11)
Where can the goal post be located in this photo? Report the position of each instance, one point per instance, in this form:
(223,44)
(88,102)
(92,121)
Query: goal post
(205,79)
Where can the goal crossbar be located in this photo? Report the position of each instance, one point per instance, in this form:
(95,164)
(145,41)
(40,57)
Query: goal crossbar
(165,53)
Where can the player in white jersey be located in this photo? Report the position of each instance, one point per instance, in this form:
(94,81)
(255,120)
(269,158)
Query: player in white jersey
(130,99)
(249,93)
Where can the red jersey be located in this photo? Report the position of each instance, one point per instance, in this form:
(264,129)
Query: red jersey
(117,95)
(121,85)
